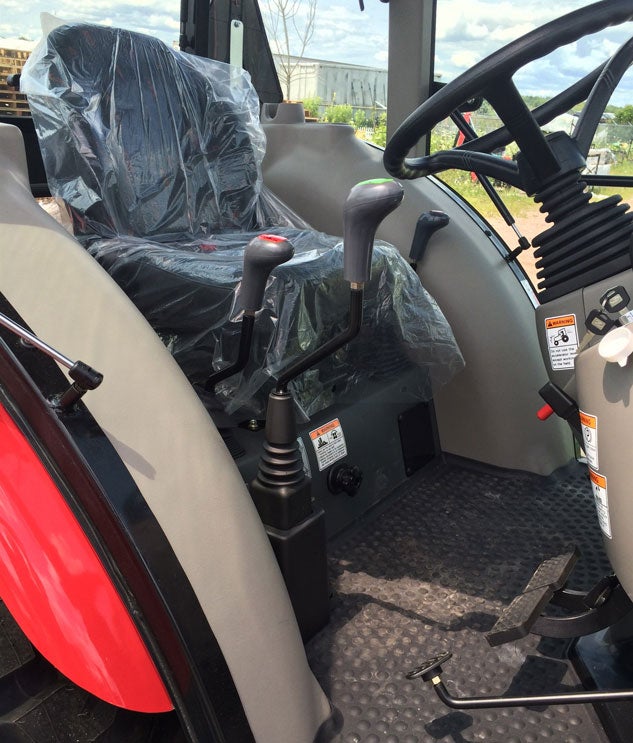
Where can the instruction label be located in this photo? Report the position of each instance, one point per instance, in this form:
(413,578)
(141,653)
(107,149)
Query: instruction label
(599,487)
(562,341)
(329,443)
(589,426)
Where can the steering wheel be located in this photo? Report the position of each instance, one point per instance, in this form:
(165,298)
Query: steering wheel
(492,79)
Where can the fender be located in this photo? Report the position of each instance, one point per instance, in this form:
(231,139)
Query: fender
(57,589)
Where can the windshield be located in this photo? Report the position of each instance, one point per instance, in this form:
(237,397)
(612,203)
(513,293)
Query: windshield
(466,34)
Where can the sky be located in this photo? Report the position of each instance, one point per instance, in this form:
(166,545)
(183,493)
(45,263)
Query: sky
(467,30)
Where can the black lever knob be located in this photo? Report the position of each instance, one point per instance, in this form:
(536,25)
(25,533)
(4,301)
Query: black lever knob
(262,254)
(368,203)
(428,223)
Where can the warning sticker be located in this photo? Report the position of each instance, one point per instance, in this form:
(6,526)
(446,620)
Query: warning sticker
(589,425)
(599,487)
(562,341)
(329,443)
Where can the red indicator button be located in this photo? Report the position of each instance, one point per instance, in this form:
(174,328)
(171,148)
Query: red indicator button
(544,413)
(274,238)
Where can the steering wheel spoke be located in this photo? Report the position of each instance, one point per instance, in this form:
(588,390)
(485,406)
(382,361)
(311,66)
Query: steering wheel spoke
(476,162)
(512,110)
(597,101)
(543,114)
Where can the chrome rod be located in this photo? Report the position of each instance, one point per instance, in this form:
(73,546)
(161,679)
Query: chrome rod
(33,340)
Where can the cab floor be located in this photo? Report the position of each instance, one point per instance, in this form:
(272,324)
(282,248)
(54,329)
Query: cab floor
(430,571)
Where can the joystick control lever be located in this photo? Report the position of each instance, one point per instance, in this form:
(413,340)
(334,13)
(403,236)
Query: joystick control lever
(262,255)
(281,491)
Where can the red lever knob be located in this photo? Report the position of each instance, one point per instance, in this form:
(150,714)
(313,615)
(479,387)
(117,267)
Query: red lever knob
(544,413)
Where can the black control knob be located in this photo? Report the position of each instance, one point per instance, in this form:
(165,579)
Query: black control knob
(345,478)
(428,223)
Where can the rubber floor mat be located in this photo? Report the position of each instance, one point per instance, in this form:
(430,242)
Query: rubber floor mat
(430,571)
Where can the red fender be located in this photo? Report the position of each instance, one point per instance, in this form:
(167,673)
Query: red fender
(58,591)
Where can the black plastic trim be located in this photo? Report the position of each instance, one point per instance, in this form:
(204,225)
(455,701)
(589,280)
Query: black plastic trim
(613,181)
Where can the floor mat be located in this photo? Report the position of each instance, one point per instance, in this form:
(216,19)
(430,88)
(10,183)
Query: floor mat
(430,571)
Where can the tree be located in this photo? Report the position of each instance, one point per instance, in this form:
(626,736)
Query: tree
(290,27)
(624,115)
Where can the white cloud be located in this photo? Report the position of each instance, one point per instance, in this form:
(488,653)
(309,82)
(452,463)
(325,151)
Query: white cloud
(343,33)
(381,56)
(464,59)
(461,41)
(162,21)
(504,35)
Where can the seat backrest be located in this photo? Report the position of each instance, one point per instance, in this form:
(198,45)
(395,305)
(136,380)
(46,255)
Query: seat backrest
(140,139)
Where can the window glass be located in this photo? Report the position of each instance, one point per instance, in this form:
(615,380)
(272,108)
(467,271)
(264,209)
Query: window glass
(13,55)
(20,29)
(328,54)
(159,18)
(333,57)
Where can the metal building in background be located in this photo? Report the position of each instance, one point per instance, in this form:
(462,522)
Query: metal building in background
(337,83)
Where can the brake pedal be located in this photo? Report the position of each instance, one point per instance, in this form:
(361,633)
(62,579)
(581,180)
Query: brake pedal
(519,616)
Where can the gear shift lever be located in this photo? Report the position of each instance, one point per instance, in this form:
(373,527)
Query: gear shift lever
(368,203)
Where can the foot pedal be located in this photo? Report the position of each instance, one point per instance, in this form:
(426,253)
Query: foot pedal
(518,617)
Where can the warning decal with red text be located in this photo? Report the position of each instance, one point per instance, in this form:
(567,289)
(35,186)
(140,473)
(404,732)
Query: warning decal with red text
(329,443)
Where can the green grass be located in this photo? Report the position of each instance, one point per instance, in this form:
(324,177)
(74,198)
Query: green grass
(517,202)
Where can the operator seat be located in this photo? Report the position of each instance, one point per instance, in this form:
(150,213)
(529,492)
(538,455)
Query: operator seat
(157,155)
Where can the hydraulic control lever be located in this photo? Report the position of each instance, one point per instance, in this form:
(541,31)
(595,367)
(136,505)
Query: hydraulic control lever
(367,204)
(262,255)
(427,225)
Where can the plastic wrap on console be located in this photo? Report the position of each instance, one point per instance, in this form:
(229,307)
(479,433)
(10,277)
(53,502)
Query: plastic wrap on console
(190,294)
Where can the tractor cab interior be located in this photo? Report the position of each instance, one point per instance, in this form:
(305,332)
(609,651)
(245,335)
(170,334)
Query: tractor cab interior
(333,439)
(171,229)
